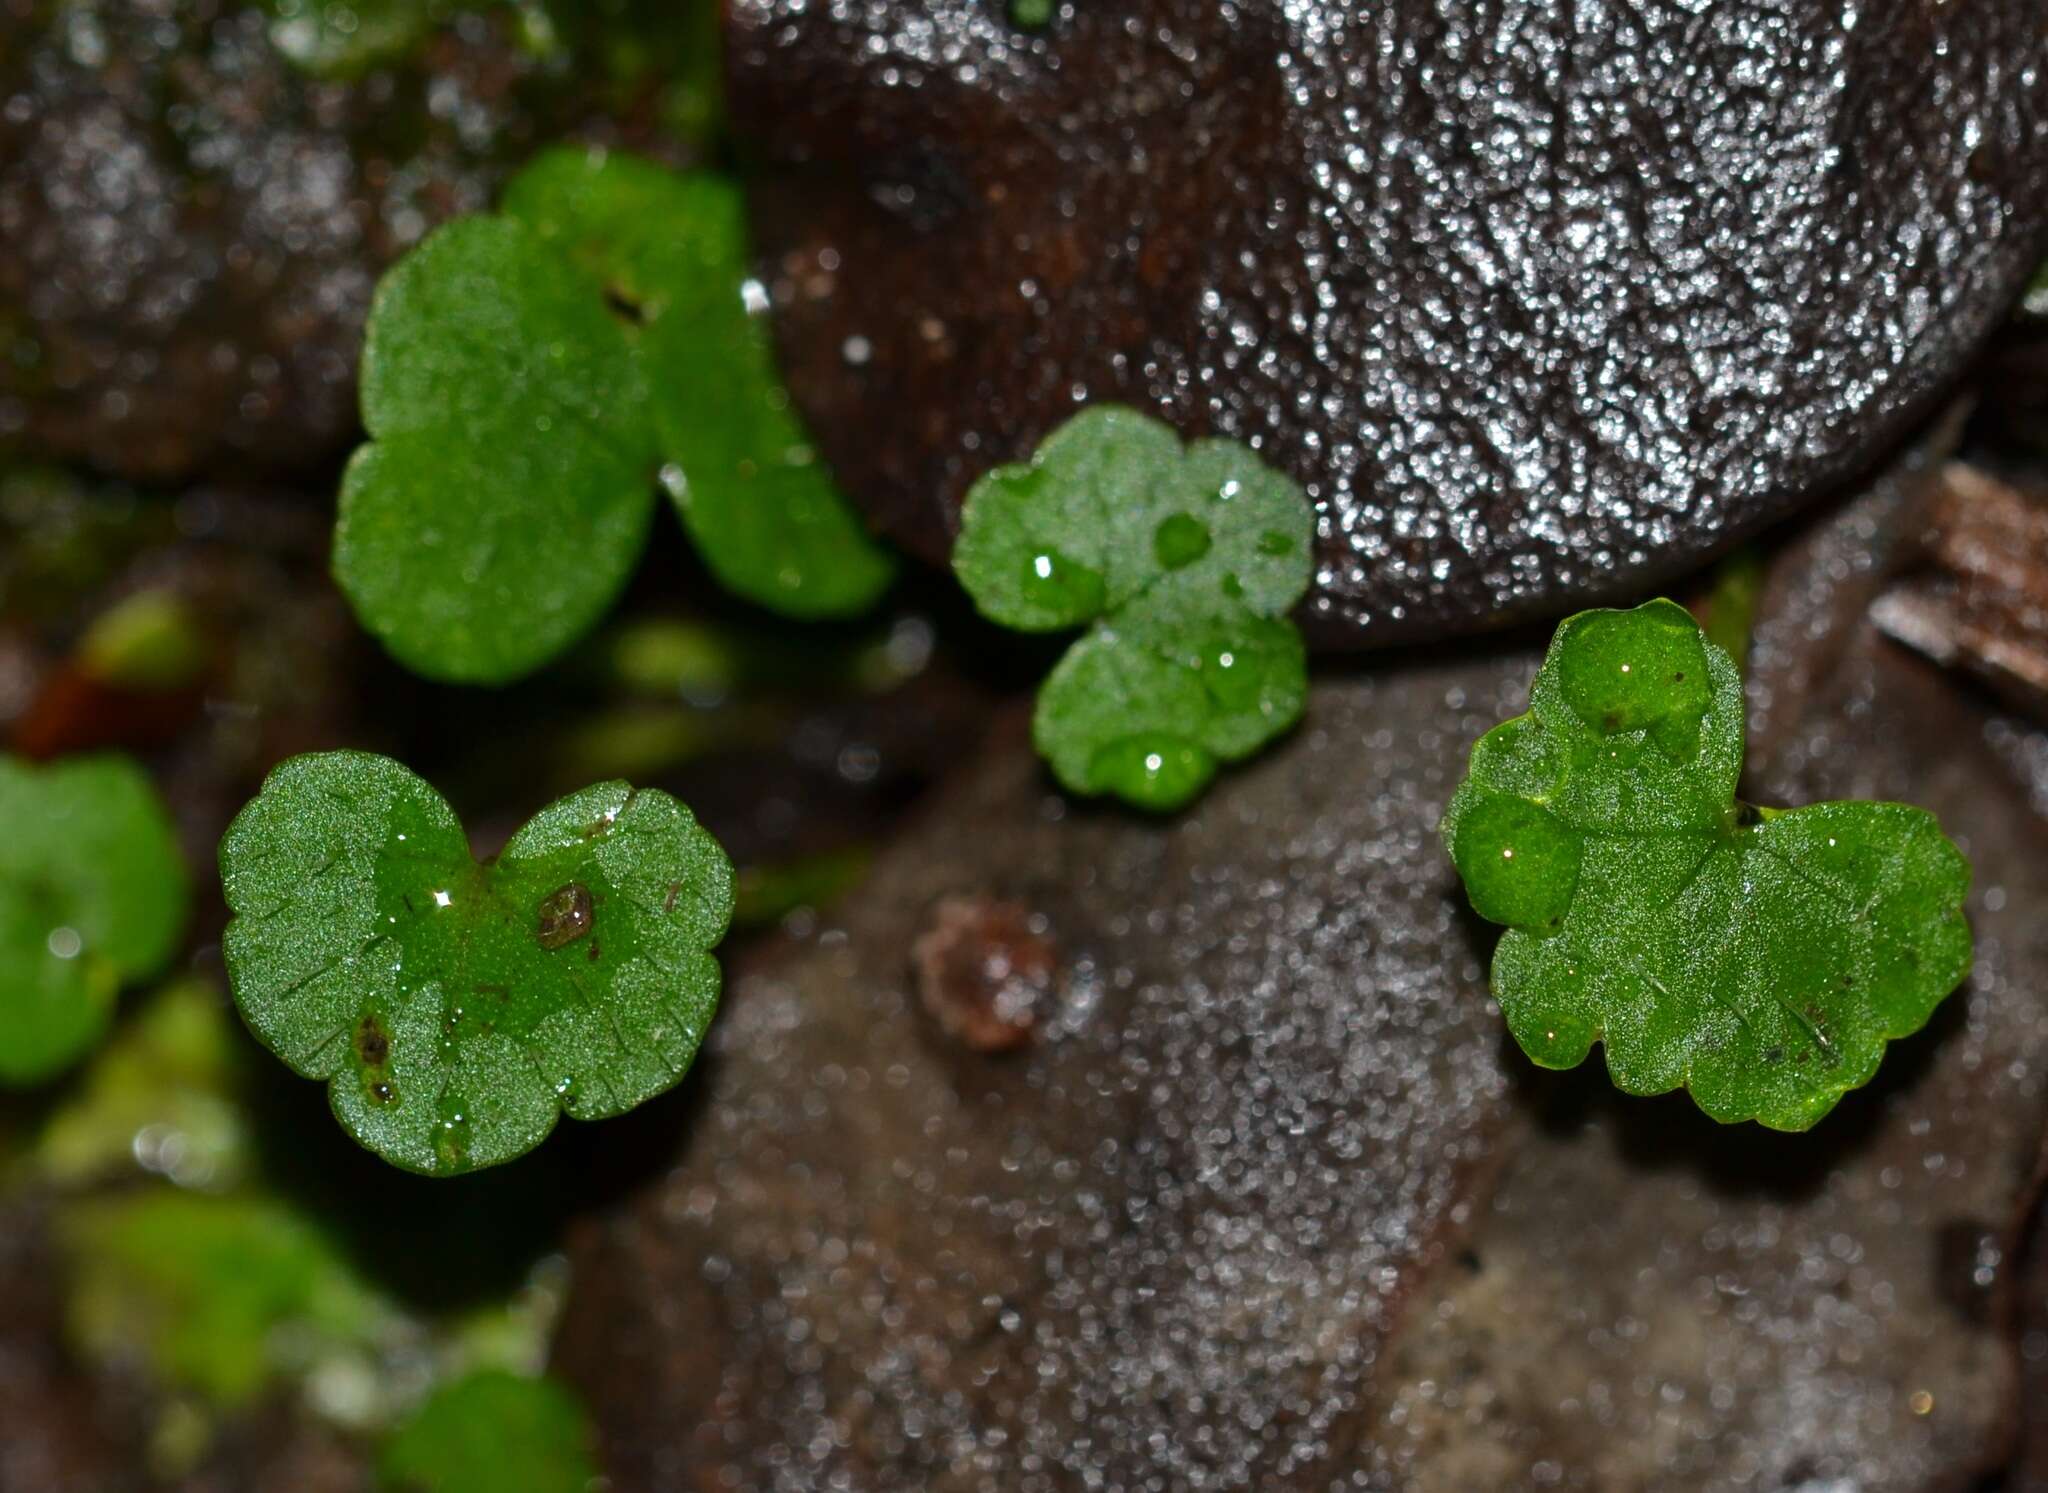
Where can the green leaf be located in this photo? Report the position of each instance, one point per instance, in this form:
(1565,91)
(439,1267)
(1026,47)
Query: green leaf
(1185,559)
(221,1294)
(671,253)
(340,38)
(93,895)
(1110,506)
(493,1432)
(163,1093)
(1149,703)
(505,495)
(456,1009)
(1761,958)
(526,378)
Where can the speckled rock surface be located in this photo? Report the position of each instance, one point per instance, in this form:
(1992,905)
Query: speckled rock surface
(1169,1235)
(1272,1204)
(193,228)
(1541,301)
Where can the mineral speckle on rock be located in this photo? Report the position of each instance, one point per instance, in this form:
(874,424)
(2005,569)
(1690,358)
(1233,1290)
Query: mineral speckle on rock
(193,228)
(1161,1242)
(1541,303)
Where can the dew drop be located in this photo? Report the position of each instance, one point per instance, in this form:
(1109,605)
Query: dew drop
(1180,540)
(1519,861)
(1153,769)
(565,915)
(1056,583)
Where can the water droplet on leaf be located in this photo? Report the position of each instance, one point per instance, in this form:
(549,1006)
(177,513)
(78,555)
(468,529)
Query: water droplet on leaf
(1639,670)
(1520,863)
(1056,583)
(1152,769)
(1180,540)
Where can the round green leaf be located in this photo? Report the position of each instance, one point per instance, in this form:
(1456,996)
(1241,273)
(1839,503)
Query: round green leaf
(1147,704)
(1186,559)
(493,1432)
(506,493)
(456,1009)
(1760,959)
(671,254)
(1111,505)
(1043,545)
(93,894)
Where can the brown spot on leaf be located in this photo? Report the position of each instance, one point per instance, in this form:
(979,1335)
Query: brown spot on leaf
(373,1043)
(566,915)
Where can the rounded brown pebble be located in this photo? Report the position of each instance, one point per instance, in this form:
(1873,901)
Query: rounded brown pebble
(986,970)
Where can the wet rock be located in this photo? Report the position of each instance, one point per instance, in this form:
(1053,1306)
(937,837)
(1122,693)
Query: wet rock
(1275,1206)
(1169,1234)
(1540,304)
(194,228)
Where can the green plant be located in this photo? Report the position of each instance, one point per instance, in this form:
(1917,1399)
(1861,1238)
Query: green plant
(526,378)
(338,38)
(1761,958)
(221,1294)
(1182,562)
(493,1432)
(456,1008)
(93,895)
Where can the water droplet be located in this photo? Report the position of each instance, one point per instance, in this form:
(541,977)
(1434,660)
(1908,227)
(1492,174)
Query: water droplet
(451,1136)
(565,915)
(1228,675)
(1180,540)
(1640,670)
(1519,861)
(1063,586)
(64,943)
(1152,769)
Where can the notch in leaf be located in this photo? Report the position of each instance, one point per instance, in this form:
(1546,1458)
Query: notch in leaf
(455,1009)
(93,896)
(1183,562)
(527,377)
(1761,958)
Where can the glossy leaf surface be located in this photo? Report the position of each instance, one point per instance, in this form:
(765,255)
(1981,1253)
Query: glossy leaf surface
(455,1009)
(1760,958)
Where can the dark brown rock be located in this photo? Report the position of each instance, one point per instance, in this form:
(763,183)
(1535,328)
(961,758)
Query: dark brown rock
(1541,304)
(1168,1234)
(193,228)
